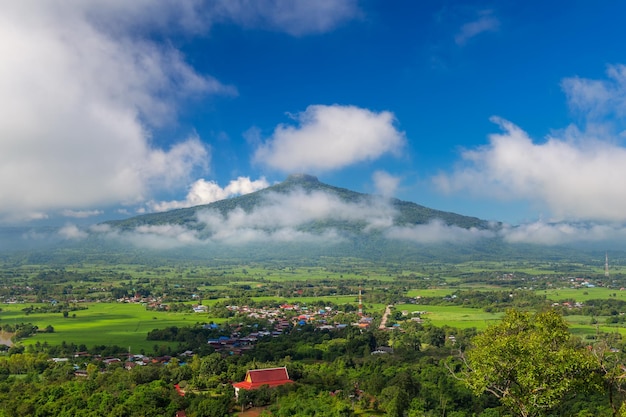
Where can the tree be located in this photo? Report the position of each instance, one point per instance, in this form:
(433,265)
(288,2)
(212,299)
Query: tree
(395,400)
(435,336)
(610,361)
(530,362)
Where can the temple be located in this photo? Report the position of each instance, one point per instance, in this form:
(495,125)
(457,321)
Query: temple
(256,378)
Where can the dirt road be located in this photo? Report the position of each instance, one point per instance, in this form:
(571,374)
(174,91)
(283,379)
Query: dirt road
(383,322)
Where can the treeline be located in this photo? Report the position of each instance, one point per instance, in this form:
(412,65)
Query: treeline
(193,335)
(491,301)
(22,330)
(53,308)
(605,307)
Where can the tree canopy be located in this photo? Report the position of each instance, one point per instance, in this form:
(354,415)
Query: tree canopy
(530,362)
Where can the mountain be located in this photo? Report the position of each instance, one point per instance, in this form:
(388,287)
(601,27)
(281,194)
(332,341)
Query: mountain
(303,218)
(405,213)
(298,221)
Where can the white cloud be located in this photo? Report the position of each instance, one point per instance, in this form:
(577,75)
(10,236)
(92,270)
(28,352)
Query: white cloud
(84,84)
(167,236)
(79,92)
(283,218)
(278,218)
(485,23)
(598,99)
(72,232)
(205,192)
(437,232)
(290,211)
(81,214)
(546,233)
(329,138)
(572,175)
(385,183)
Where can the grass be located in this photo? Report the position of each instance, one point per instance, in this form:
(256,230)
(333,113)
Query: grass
(455,316)
(127,324)
(582,294)
(101,324)
(466,317)
(446,291)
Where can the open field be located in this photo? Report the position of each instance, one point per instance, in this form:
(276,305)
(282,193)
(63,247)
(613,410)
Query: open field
(582,326)
(582,294)
(463,317)
(466,317)
(444,291)
(455,316)
(127,324)
(101,324)
(431,292)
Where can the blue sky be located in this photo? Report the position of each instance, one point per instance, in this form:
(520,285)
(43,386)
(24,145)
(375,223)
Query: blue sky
(507,111)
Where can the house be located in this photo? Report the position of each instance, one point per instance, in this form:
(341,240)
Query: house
(200,309)
(256,378)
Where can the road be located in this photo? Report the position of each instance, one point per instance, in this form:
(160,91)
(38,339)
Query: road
(383,322)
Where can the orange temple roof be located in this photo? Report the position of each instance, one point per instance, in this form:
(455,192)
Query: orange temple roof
(256,378)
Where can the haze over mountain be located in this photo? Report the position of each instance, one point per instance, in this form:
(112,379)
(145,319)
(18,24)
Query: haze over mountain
(299,218)
(303,209)
(310,201)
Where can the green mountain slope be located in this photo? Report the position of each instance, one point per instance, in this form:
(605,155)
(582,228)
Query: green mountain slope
(407,213)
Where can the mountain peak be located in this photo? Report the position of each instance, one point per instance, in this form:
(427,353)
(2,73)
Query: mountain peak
(306,188)
(301,178)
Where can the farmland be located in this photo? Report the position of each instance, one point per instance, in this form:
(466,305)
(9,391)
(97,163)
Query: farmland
(321,321)
(102,319)
(99,324)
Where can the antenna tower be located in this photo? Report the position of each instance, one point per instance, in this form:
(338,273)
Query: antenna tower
(606,264)
(360,302)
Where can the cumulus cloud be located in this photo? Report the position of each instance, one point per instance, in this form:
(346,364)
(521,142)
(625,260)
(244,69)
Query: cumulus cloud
(486,22)
(205,192)
(572,175)
(330,137)
(85,84)
(385,183)
(79,92)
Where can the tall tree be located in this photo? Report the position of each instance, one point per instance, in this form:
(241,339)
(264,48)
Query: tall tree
(530,362)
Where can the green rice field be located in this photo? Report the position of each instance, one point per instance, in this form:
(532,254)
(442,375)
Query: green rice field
(582,294)
(466,317)
(455,316)
(101,324)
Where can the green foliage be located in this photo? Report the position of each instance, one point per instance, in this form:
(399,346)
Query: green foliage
(530,362)
(334,370)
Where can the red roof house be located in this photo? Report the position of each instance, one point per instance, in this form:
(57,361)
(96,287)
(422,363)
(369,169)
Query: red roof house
(256,378)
